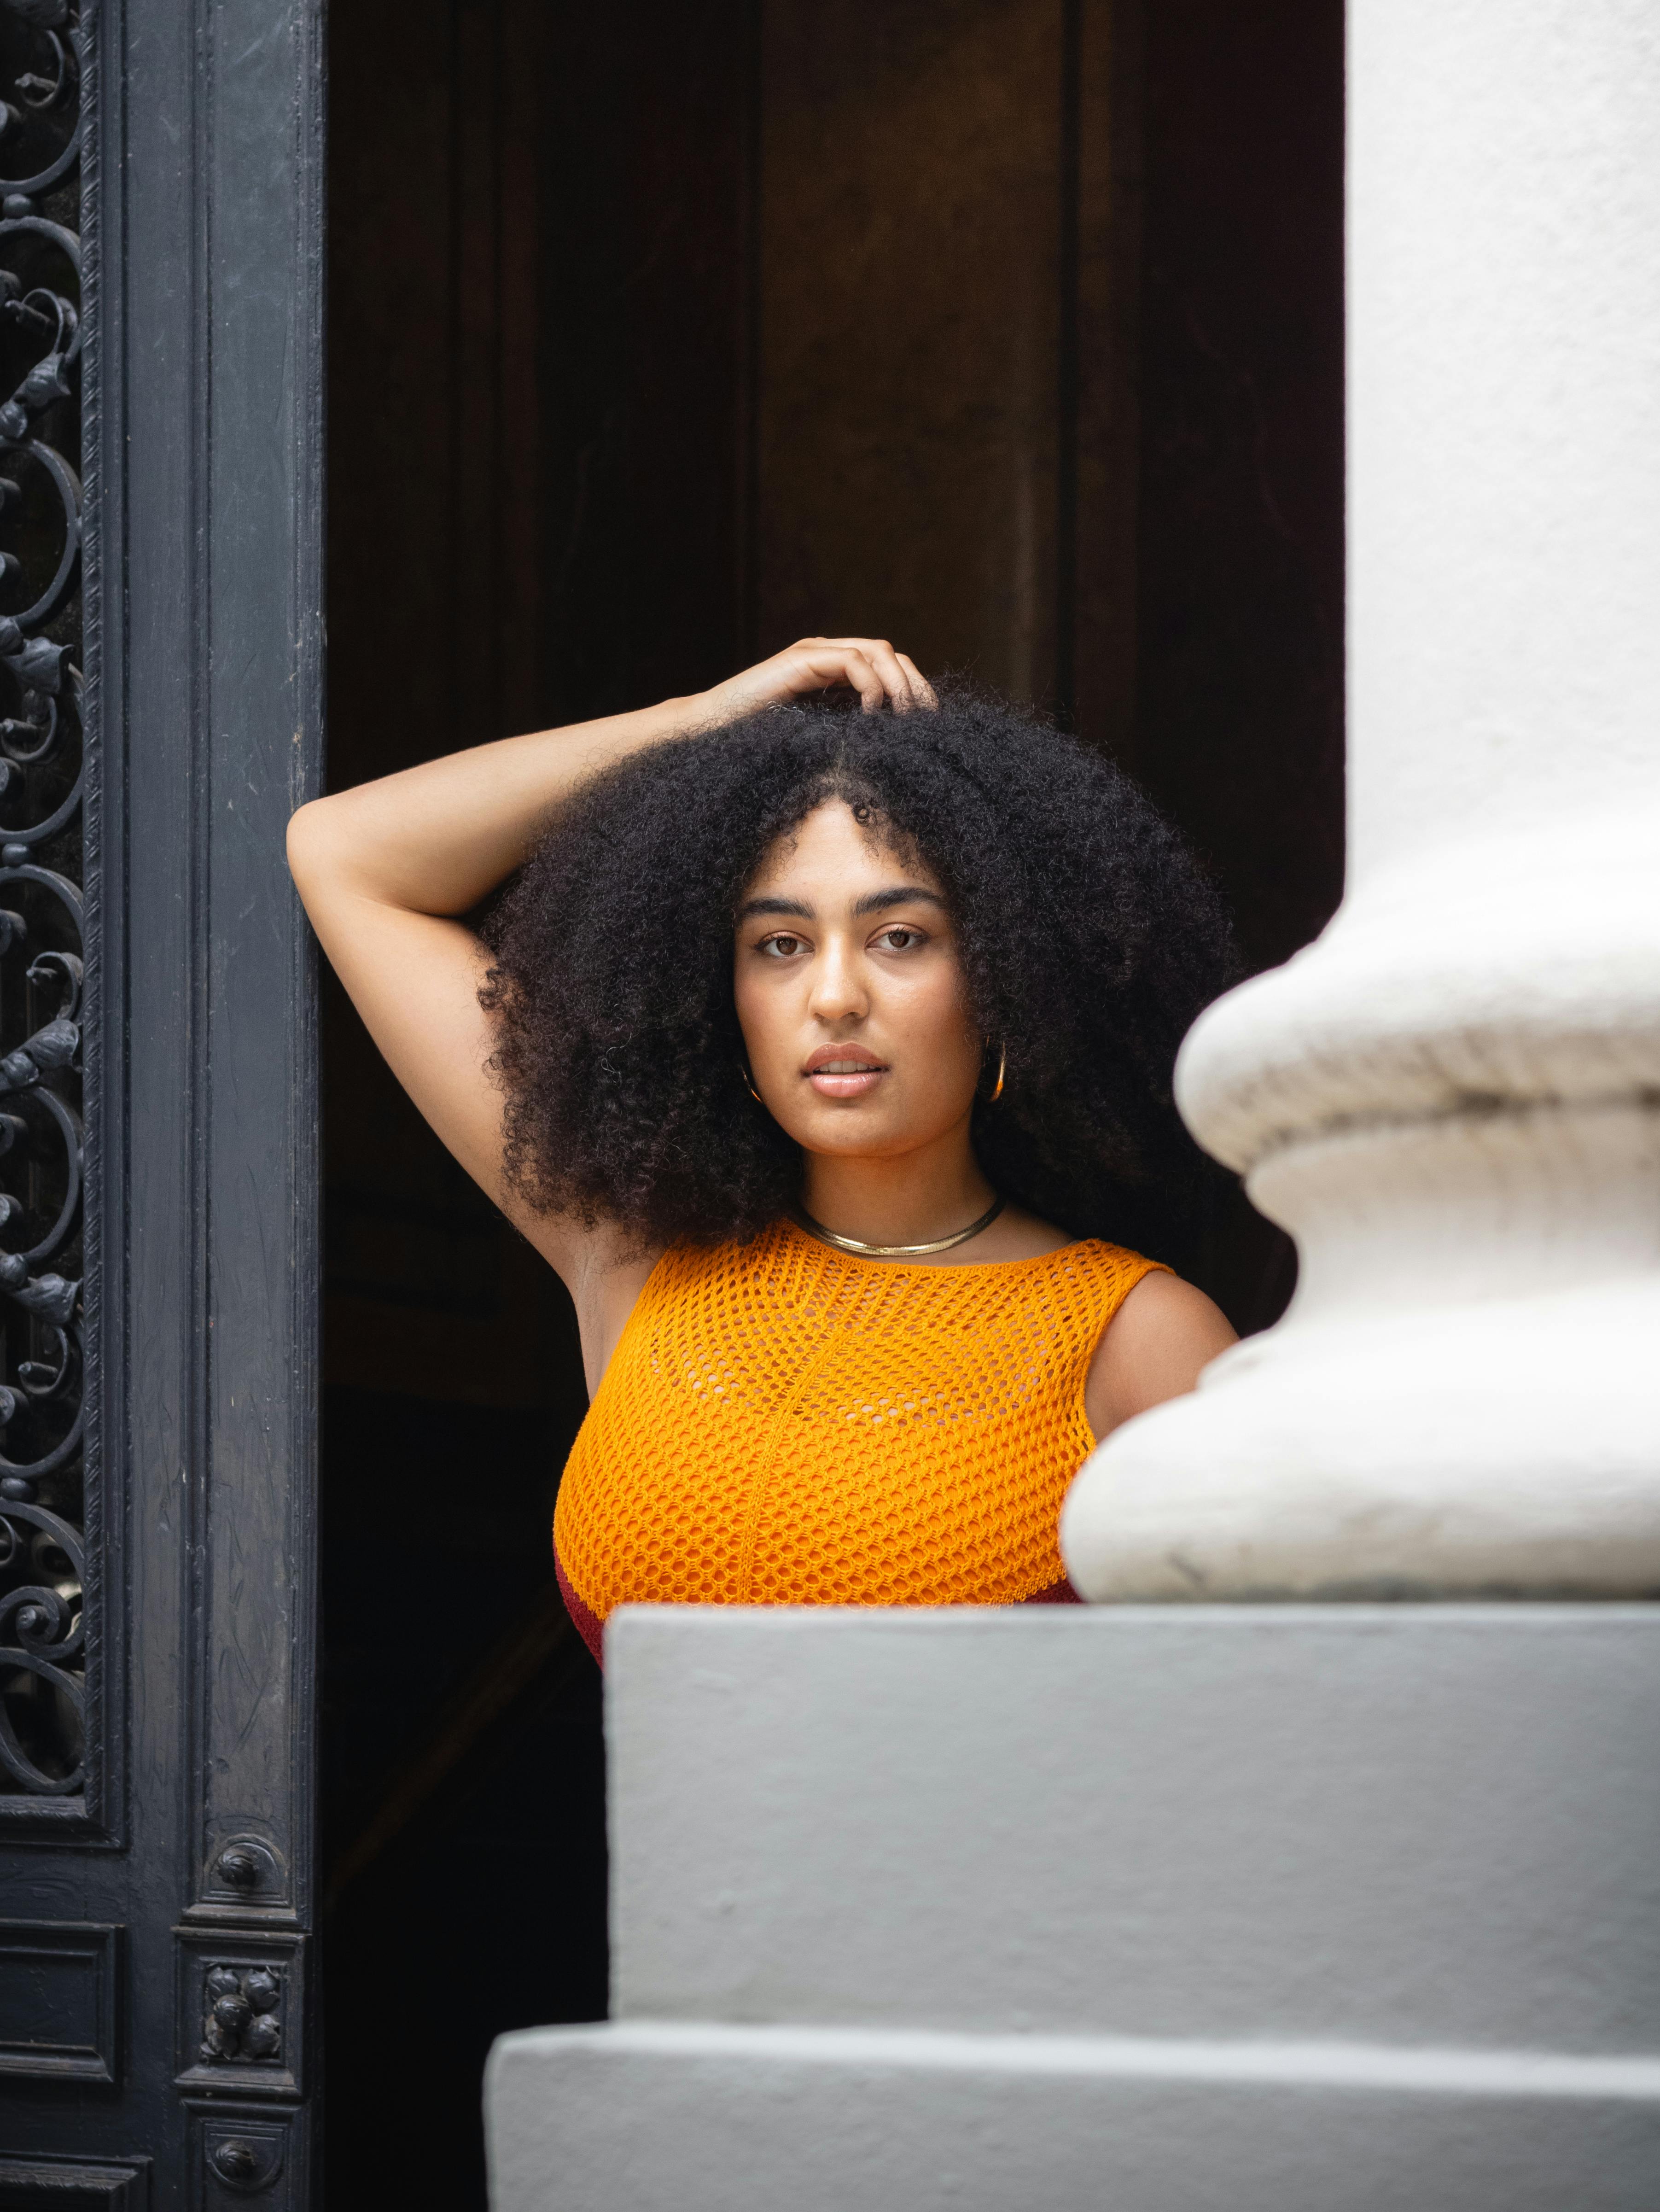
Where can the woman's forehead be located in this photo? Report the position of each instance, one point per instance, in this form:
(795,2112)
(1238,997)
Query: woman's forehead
(832,849)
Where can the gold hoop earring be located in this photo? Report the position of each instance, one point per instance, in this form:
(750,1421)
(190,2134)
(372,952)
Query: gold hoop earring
(749,1086)
(1002,1064)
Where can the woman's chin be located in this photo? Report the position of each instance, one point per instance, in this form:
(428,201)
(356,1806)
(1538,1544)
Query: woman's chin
(847,1134)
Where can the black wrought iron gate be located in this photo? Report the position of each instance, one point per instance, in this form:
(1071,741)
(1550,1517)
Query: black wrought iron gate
(160,649)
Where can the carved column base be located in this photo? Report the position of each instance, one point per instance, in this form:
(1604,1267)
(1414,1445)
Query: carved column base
(1453,1103)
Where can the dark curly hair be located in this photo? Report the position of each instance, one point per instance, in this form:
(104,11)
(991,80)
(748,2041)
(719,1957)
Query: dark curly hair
(1088,938)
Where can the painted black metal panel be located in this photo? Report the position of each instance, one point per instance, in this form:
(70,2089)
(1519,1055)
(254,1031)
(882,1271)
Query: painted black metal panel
(59,1997)
(69,2184)
(201,459)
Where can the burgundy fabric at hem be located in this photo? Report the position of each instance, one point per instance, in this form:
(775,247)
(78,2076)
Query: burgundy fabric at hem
(587,1622)
(1061,1593)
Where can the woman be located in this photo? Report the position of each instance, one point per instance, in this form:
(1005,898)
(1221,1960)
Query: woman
(826,1057)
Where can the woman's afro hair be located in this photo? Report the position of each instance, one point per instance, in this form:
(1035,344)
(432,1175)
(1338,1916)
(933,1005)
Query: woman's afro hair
(1089,941)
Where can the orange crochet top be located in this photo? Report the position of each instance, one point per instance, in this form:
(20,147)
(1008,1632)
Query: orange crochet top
(784,1423)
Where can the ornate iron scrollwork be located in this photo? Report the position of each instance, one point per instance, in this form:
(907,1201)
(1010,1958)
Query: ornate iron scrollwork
(42,1553)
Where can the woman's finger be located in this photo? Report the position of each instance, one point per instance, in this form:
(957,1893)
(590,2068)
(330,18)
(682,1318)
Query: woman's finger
(922,690)
(881,655)
(859,673)
(885,661)
(868,666)
(819,664)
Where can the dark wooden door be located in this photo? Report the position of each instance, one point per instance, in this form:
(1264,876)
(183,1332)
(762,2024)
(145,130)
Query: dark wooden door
(657,335)
(160,663)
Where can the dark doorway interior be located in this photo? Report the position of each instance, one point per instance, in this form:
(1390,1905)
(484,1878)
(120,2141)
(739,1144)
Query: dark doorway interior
(658,336)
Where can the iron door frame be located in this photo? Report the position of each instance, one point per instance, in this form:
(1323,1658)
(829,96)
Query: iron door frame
(171,1900)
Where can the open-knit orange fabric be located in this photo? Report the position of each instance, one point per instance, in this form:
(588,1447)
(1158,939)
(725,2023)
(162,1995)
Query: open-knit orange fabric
(782,1424)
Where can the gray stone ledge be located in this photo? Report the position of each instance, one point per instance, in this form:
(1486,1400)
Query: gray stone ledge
(688,2117)
(1394,1823)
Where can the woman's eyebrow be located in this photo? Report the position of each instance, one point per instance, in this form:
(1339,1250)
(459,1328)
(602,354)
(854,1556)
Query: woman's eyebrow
(901,894)
(775,906)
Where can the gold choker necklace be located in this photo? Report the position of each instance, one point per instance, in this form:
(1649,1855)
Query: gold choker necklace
(863,1251)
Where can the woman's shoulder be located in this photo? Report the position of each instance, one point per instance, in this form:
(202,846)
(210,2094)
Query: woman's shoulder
(1163,1332)
(1054,1250)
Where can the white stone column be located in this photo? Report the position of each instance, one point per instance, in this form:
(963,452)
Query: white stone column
(1453,1099)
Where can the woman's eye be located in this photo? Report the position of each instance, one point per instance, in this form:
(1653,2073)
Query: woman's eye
(900,939)
(783,948)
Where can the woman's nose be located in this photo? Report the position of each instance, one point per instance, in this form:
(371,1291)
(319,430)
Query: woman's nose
(838,989)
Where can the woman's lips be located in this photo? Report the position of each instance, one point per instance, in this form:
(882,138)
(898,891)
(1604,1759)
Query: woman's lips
(844,1075)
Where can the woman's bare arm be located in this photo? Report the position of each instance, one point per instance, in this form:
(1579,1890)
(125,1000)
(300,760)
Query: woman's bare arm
(1163,1335)
(385,871)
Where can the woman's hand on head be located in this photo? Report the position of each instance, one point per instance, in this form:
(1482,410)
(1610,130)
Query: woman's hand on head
(868,666)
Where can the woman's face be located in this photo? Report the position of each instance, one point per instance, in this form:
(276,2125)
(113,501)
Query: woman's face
(850,992)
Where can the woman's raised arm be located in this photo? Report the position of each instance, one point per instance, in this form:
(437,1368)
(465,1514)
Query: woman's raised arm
(385,871)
